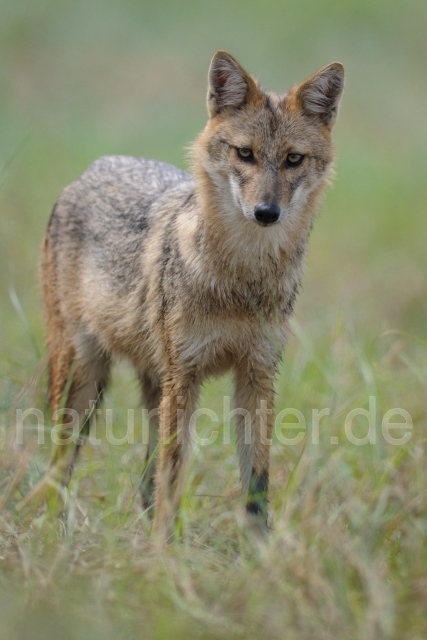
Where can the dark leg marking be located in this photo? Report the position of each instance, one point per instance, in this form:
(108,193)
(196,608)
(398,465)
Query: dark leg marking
(257,502)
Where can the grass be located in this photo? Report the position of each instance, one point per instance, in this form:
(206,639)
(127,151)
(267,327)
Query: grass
(347,550)
(347,555)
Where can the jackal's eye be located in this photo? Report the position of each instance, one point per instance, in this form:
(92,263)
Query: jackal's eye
(294,159)
(245,154)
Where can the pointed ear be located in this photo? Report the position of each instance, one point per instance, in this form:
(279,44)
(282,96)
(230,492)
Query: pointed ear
(229,84)
(319,96)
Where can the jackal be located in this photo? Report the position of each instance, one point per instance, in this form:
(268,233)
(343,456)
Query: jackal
(189,276)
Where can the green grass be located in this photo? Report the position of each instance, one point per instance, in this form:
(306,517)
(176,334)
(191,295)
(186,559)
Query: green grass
(347,555)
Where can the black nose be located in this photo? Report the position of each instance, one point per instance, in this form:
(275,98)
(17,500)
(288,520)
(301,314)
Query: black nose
(267,213)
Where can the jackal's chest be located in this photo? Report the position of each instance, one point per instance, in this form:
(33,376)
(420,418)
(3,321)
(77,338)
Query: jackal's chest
(211,324)
(239,300)
(214,343)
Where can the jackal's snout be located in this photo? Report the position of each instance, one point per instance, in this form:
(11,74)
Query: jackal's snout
(267,214)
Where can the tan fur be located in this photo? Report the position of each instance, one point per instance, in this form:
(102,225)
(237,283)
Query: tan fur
(176,274)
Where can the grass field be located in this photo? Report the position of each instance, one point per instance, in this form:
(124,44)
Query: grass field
(347,555)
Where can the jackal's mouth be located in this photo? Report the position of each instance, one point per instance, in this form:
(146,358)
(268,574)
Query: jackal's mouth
(266,224)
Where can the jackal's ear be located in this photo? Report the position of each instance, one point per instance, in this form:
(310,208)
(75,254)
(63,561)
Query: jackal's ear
(319,96)
(229,84)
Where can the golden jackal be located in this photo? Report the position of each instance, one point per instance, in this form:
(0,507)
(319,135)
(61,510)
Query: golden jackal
(189,276)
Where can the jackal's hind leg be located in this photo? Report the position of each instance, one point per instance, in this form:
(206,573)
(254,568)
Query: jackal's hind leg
(78,372)
(151,395)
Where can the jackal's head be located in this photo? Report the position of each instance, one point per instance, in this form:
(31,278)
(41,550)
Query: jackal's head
(269,154)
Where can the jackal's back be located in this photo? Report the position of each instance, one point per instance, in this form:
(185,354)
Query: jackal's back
(108,211)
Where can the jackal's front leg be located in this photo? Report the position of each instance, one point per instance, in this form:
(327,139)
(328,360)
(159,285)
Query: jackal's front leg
(254,421)
(179,397)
